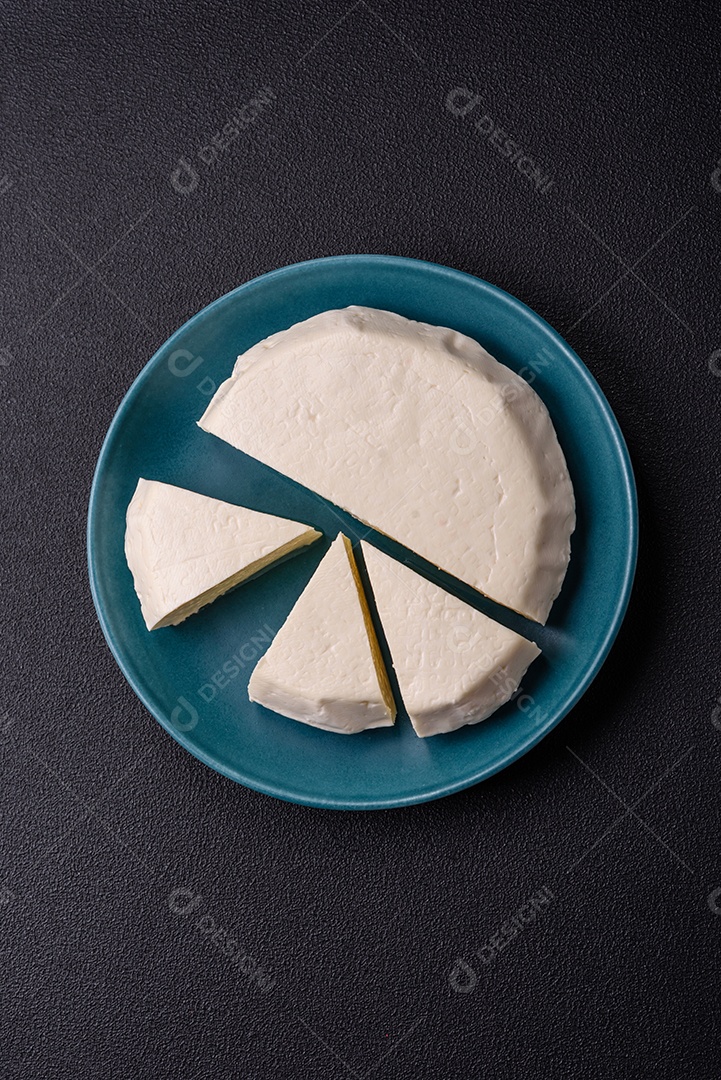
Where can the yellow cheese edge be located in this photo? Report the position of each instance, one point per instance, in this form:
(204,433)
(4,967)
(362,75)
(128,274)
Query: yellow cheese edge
(381,673)
(181,613)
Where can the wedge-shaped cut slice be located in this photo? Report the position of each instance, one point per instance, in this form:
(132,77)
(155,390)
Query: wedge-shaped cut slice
(184,549)
(324,667)
(454,665)
(419,432)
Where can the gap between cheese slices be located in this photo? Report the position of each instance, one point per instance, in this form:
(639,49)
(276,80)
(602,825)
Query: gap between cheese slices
(454,665)
(418,432)
(324,666)
(184,549)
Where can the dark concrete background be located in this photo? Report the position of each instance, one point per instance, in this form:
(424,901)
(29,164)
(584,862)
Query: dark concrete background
(123,858)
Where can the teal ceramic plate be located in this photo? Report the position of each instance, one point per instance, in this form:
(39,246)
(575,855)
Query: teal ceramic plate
(193,677)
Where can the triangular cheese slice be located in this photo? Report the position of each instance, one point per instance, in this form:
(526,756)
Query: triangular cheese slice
(324,667)
(454,665)
(417,431)
(185,549)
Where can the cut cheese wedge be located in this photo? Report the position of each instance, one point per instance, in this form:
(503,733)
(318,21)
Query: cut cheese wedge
(419,432)
(454,665)
(324,666)
(184,549)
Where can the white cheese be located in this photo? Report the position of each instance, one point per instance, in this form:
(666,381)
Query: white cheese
(419,432)
(324,666)
(184,549)
(454,665)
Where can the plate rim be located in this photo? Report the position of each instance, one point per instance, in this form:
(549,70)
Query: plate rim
(570,700)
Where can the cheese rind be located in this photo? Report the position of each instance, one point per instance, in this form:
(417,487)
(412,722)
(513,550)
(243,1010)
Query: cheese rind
(454,665)
(419,432)
(324,666)
(185,549)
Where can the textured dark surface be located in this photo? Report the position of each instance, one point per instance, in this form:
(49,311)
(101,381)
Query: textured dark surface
(108,969)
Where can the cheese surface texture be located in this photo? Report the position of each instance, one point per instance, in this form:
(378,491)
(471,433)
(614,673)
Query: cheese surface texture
(324,666)
(454,665)
(417,431)
(185,549)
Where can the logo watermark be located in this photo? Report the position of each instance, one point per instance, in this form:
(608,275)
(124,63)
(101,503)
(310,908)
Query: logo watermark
(463,976)
(714,363)
(461,639)
(460,101)
(183,363)
(525,703)
(238,662)
(465,438)
(186,176)
(716,715)
(715,178)
(185,902)
(185,715)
